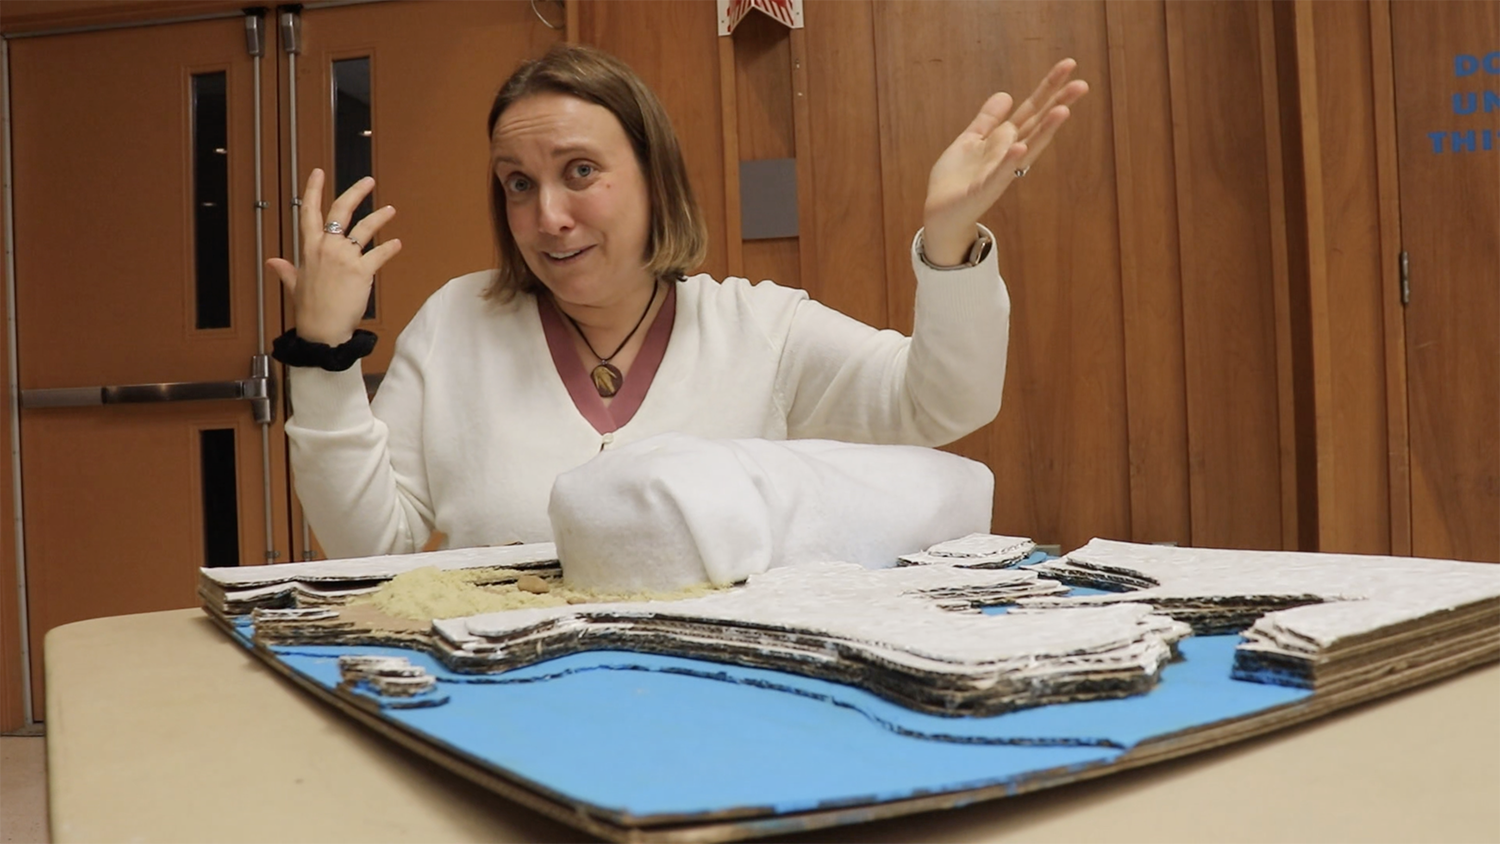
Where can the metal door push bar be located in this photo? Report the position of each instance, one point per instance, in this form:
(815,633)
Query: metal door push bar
(259,389)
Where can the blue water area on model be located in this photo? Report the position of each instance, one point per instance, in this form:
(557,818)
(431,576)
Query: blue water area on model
(645,735)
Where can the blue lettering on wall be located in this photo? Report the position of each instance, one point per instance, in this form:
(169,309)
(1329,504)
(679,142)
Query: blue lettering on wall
(1468,103)
(1467,65)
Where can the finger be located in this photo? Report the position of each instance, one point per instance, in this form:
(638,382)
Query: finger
(1047,128)
(365,231)
(1071,93)
(991,114)
(376,258)
(312,206)
(1014,158)
(1040,99)
(1055,80)
(285,271)
(997,144)
(1001,170)
(1068,95)
(342,210)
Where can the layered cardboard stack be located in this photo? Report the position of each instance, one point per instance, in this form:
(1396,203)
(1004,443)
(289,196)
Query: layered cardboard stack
(1318,621)
(229,592)
(910,634)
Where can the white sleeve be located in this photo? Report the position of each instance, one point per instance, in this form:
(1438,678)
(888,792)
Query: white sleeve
(359,470)
(841,379)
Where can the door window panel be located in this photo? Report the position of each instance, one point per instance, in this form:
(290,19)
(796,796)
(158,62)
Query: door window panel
(221,512)
(211,199)
(353,139)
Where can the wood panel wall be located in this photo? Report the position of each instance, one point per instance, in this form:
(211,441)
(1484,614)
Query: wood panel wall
(1150,387)
(662,40)
(1450,228)
(1150,270)
(1338,108)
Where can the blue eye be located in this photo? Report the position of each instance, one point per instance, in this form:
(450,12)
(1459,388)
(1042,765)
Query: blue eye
(583,171)
(517,184)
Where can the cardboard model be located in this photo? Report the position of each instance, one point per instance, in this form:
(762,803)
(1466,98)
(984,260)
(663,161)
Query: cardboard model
(831,693)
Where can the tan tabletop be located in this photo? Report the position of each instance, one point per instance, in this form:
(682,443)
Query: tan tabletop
(161,729)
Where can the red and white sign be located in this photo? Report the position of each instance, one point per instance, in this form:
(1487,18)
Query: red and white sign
(731,12)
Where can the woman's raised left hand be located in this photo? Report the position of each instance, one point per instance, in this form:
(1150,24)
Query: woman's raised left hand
(975,169)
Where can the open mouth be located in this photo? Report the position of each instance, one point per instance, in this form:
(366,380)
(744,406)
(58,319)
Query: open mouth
(567,257)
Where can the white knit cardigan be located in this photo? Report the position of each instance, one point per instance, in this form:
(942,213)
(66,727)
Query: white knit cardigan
(472,422)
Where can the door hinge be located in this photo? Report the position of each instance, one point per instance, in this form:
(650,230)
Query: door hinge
(1405,277)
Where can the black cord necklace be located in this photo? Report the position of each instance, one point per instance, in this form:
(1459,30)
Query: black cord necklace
(607,377)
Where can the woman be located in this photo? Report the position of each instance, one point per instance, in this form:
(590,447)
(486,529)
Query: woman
(590,336)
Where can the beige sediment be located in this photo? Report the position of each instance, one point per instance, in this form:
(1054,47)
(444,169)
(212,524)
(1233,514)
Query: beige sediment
(427,593)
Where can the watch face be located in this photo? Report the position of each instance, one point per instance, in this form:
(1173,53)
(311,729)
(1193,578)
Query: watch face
(981,249)
(977,253)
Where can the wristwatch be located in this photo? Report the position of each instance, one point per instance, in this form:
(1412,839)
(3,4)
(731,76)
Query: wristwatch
(977,252)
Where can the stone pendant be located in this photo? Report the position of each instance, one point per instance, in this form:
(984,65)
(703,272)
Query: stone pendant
(607,379)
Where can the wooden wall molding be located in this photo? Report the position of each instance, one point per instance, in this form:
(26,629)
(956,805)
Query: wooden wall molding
(807,240)
(734,245)
(847,183)
(1225,227)
(12,679)
(766,128)
(1393,317)
(1344,225)
(1272,73)
(18,17)
(1150,272)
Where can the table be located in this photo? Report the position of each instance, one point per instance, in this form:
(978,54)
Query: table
(159,728)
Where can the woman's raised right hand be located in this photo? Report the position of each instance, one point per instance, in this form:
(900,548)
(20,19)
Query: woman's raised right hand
(331,290)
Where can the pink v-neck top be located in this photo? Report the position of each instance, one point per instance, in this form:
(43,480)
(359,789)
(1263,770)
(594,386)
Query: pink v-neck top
(611,417)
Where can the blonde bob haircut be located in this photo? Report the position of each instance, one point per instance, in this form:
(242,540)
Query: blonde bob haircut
(679,238)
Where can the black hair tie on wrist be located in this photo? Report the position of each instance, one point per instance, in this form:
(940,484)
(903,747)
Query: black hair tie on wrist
(294,351)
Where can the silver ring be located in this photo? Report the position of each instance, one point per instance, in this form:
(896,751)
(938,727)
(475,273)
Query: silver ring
(334,227)
(354,240)
(1023,171)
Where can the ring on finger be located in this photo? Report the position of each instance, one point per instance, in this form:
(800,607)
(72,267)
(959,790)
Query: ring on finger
(334,227)
(354,240)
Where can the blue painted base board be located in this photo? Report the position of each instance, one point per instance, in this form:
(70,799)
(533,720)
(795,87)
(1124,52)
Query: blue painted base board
(641,737)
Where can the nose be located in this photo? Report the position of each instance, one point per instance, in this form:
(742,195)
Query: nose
(553,213)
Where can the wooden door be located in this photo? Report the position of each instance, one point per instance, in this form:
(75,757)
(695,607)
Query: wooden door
(135,244)
(1447,63)
(400,91)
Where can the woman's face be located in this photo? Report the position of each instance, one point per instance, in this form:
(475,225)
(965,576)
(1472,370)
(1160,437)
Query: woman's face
(575,199)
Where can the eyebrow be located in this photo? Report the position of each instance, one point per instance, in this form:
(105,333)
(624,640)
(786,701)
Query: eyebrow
(557,152)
